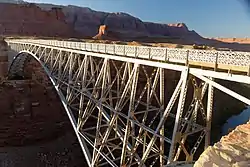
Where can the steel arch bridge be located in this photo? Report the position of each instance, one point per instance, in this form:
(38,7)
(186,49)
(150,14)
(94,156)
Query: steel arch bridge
(135,105)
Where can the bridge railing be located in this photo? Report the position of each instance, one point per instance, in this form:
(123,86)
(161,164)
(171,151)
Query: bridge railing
(214,58)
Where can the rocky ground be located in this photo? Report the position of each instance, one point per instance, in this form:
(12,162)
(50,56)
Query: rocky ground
(233,150)
(42,139)
(61,152)
(34,128)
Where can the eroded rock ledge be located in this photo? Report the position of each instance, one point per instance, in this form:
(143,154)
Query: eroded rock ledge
(232,150)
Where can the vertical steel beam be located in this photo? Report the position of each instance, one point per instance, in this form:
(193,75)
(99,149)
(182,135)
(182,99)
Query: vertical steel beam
(191,110)
(84,78)
(184,77)
(162,110)
(71,66)
(209,114)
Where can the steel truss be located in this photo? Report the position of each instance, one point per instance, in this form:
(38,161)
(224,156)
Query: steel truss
(124,111)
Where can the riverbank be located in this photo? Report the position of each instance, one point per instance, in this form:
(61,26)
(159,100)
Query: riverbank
(235,121)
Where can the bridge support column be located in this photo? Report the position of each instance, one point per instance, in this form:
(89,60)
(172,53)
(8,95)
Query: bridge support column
(209,114)
(162,112)
(175,137)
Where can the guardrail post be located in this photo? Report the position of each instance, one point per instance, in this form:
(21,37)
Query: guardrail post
(149,52)
(209,114)
(135,51)
(166,54)
(248,73)
(124,50)
(187,58)
(216,62)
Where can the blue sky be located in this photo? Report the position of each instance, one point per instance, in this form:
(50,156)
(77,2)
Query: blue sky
(210,18)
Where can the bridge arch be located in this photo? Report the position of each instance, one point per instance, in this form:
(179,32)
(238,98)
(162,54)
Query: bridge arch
(16,71)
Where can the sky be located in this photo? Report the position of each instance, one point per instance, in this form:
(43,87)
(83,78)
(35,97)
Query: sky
(210,18)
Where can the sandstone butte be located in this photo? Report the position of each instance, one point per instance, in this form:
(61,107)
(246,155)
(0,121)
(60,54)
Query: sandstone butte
(232,150)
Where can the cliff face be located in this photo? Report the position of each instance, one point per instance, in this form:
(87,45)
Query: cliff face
(232,150)
(87,22)
(31,110)
(20,18)
(30,20)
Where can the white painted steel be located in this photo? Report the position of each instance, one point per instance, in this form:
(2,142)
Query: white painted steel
(176,55)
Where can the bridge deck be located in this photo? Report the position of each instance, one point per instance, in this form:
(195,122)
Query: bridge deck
(218,60)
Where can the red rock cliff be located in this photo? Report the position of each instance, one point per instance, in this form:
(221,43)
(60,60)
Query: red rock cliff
(72,21)
(30,20)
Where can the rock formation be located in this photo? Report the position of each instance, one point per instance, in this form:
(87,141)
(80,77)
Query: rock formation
(72,21)
(233,150)
(31,110)
(30,20)
(102,34)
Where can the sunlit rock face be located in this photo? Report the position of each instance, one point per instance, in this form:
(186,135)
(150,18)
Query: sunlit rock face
(231,150)
(31,20)
(22,18)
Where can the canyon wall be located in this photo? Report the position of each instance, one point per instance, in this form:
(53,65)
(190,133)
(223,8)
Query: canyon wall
(30,20)
(20,18)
